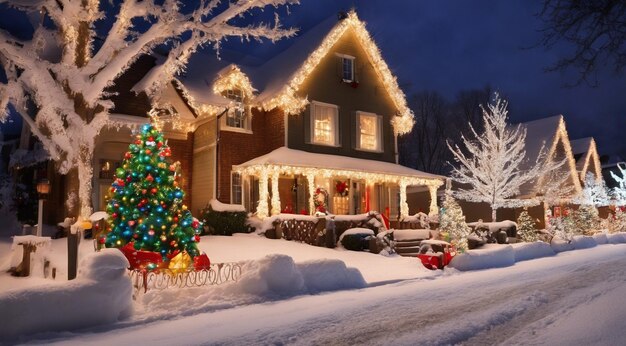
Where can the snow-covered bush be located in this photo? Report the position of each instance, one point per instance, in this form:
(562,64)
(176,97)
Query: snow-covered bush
(224,219)
(561,228)
(526,227)
(617,222)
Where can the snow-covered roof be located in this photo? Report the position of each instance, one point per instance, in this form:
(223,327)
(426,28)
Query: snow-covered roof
(585,152)
(286,157)
(547,132)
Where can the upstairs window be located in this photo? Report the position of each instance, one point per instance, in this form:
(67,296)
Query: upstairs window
(237,116)
(347,68)
(324,124)
(369,134)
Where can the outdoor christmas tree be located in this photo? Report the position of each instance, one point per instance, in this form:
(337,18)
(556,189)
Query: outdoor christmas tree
(526,227)
(618,221)
(586,219)
(452,221)
(146,205)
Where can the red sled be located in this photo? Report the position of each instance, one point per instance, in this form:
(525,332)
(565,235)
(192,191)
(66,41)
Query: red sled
(436,254)
(140,259)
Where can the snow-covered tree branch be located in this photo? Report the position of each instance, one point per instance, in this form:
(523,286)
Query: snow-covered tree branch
(69,89)
(619,192)
(490,169)
(594,194)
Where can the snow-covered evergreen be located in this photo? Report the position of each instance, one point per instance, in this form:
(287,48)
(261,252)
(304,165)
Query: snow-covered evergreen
(619,192)
(452,221)
(594,193)
(65,75)
(526,227)
(492,163)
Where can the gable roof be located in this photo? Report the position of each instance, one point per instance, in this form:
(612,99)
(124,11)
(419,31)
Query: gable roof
(585,151)
(279,78)
(547,133)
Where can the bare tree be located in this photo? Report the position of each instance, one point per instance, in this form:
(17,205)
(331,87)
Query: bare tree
(424,147)
(70,92)
(596,29)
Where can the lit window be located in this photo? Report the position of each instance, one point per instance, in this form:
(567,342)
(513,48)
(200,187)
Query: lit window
(236,116)
(324,124)
(369,131)
(236,189)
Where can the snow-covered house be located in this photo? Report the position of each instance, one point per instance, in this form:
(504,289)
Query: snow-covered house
(320,118)
(587,158)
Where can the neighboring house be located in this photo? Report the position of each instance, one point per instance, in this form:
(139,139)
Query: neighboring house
(551,133)
(587,158)
(320,115)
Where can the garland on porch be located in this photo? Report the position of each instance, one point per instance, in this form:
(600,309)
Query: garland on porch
(319,200)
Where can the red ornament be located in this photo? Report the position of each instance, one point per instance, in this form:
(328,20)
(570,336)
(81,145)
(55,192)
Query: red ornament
(148,151)
(159,145)
(127,156)
(151,139)
(197,238)
(149,178)
(102,240)
(154,190)
(195,224)
(144,191)
(138,142)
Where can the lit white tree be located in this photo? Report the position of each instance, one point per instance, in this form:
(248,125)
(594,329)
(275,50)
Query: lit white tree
(619,192)
(69,92)
(595,193)
(492,166)
(555,189)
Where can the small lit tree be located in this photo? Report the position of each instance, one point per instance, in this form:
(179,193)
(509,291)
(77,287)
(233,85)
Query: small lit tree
(452,222)
(526,227)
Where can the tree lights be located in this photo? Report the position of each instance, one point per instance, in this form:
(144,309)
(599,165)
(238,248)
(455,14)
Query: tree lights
(146,204)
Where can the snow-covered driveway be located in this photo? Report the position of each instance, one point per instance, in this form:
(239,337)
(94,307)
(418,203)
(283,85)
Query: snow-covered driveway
(573,298)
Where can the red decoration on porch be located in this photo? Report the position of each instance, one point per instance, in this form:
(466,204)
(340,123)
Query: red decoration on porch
(342,188)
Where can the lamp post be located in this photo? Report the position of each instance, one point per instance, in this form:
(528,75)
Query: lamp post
(43,188)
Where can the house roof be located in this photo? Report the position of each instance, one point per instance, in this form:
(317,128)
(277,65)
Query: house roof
(585,151)
(335,165)
(279,77)
(547,133)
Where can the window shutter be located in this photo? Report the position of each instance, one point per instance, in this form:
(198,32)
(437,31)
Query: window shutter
(308,123)
(335,112)
(380,139)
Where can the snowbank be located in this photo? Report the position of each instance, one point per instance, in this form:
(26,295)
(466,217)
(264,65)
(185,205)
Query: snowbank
(494,226)
(356,230)
(279,275)
(616,238)
(528,251)
(583,242)
(601,238)
(220,207)
(100,295)
(560,245)
(412,234)
(488,256)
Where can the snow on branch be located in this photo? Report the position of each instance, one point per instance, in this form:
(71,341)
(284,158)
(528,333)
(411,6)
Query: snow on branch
(619,192)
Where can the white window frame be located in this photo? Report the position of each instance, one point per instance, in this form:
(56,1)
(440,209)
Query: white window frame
(232,190)
(379,131)
(343,58)
(315,104)
(246,113)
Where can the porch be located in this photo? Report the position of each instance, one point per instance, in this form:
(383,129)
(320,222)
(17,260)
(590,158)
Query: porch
(294,181)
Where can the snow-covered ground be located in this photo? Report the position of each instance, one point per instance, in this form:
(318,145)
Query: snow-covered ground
(572,298)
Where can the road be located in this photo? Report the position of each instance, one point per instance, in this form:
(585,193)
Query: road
(572,298)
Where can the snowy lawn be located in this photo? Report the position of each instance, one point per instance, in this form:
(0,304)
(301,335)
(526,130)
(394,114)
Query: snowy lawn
(550,300)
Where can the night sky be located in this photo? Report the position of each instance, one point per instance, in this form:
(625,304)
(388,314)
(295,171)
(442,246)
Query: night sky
(449,46)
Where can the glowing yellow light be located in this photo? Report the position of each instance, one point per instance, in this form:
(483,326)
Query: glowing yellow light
(180,262)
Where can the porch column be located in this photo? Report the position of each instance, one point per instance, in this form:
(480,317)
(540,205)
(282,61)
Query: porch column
(310,178)
(275,194)
(262,207)
(404,206)
(434,209)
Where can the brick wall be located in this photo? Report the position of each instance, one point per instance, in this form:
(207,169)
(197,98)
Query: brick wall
(268,133)
(182,150)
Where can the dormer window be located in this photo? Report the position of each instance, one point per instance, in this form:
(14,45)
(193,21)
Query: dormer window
(347,68)
(237,116)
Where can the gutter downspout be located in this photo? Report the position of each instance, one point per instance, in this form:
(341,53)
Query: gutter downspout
(217,152)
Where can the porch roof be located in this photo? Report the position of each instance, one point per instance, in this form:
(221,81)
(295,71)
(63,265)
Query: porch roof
(290,161)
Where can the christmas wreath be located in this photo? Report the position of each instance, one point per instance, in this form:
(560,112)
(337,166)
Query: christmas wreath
(319,199)
(342,188)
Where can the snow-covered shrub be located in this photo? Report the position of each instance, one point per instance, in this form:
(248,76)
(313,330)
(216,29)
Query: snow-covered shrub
(356,239)
(526,227)
(586,219)
(617,222)
(561,228)
(224,219)
(452,222)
